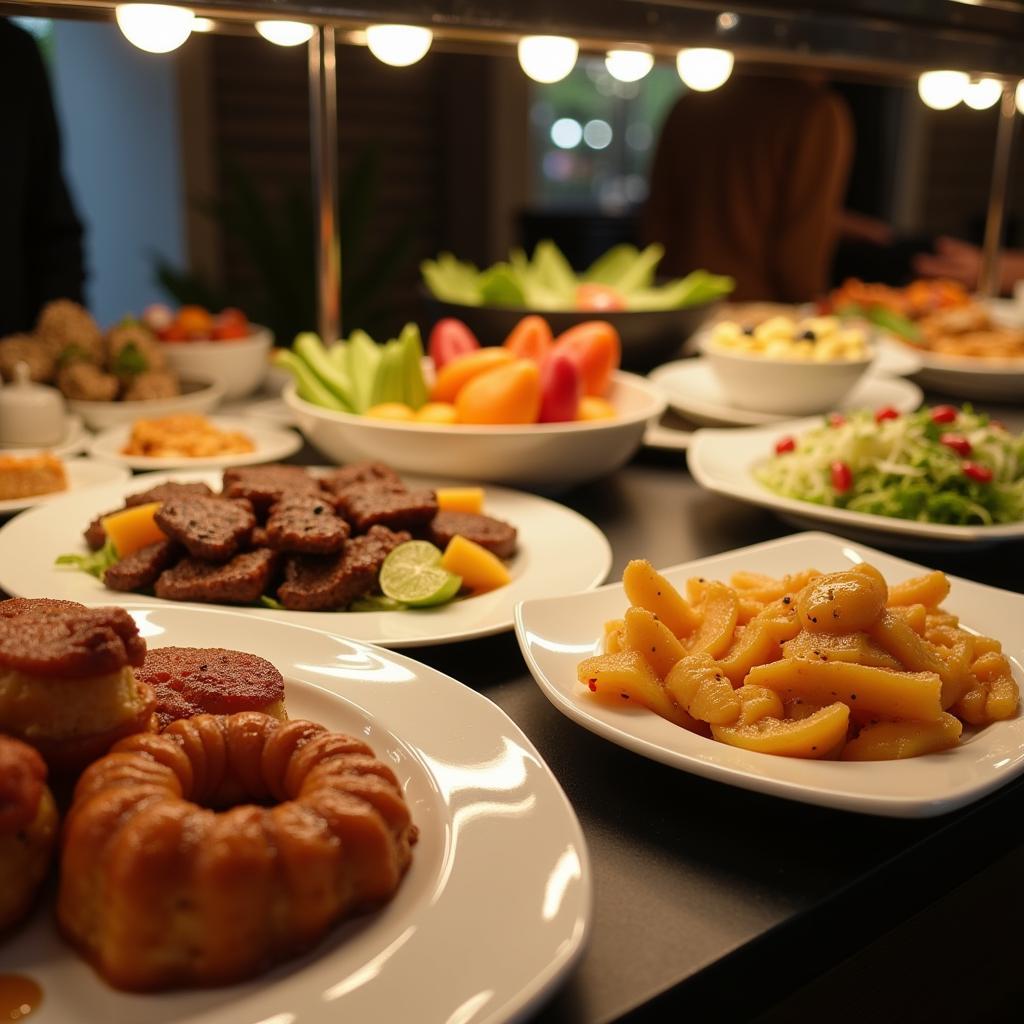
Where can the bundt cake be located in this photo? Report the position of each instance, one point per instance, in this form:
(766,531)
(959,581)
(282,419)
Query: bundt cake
(204,854)
(66,683)
(28,828)
(190,681)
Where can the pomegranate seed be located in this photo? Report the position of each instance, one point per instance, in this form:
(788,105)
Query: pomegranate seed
(977,472)
(836,419)
(958,443)
(944,414)
(842,477)
(887,412)
(785,444)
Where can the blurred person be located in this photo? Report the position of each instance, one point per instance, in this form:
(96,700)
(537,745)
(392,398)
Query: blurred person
(961,261)
(749,181)
(40,234)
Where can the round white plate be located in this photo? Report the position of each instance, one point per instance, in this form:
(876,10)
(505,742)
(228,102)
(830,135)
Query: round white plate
(272,445)
(556,633)
(558,550)
(82,474)
(195,397)
(493,911)
(75,440)
(1000,380)
(691,389)
(723,461)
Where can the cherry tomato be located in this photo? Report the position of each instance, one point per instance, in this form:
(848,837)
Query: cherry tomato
(842,476)
(561,388)
(531,338)
(785,444)
(836,419)
(958,443)
(887,412)
(449,339)
(975,471)
(599,298)
(230,330)
(175,332)
(944,414)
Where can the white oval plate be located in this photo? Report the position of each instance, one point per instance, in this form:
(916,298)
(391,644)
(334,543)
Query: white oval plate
(558,550)
(75,440)
(723,461)
(1000,380)
(271,445)
(494,909)
(195,397)
(691,389)
(556,633)
(81,473)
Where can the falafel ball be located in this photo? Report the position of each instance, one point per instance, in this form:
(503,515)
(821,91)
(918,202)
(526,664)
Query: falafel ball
(132,349)
(66,328)
(85,381)
(23,348)
(152,384)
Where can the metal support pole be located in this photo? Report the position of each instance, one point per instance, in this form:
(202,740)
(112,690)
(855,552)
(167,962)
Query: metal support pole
(995,218)
(323,138)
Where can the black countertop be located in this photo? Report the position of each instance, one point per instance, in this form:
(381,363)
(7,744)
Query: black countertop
(702,891)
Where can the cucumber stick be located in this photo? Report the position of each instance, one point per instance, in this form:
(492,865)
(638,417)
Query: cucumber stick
(364,356)
(307,384)
(310,349)
(387,383)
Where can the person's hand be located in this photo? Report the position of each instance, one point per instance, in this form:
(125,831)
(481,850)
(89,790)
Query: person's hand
(959,261)
(859,227)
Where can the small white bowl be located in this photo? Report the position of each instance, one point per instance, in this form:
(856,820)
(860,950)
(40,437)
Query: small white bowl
(788,387)
(553,456)
(238,365)
(195,397)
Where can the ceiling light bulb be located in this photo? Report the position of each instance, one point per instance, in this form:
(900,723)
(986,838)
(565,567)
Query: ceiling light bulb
(704,68)
(156,28)
(203,24)
(628,65)
(285,33)
(1019,96)
(982,94)
(398,45)
(547,59)
(942,90)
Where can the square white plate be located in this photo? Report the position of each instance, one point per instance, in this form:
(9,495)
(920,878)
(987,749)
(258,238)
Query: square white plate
(556,633)
(723,461)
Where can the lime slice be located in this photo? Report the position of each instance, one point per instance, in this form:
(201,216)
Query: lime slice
(412,574)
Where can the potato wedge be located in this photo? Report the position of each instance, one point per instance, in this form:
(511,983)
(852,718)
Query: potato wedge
(893,633)
(645,633)
(697,684)
(915,614)
(761,642)
(626,676)
(613,641)
(812,737)
(887,741)
(853,647)
(757,702)
(718,614)
(767,589)
(647,588)
(843,602)
(930,590)
(886,693)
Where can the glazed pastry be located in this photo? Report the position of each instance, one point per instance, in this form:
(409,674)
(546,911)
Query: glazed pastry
(190,681)
(204,854)
(28,828)
(66,683)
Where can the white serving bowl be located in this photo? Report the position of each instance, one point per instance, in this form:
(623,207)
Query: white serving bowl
(195,397)
(552,456)
(788,387)
(238,365)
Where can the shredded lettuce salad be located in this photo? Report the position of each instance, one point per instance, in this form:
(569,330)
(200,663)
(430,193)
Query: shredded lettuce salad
(937,465)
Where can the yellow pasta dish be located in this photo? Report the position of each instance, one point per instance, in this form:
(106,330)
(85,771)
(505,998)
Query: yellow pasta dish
(184,436)
(813,665)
